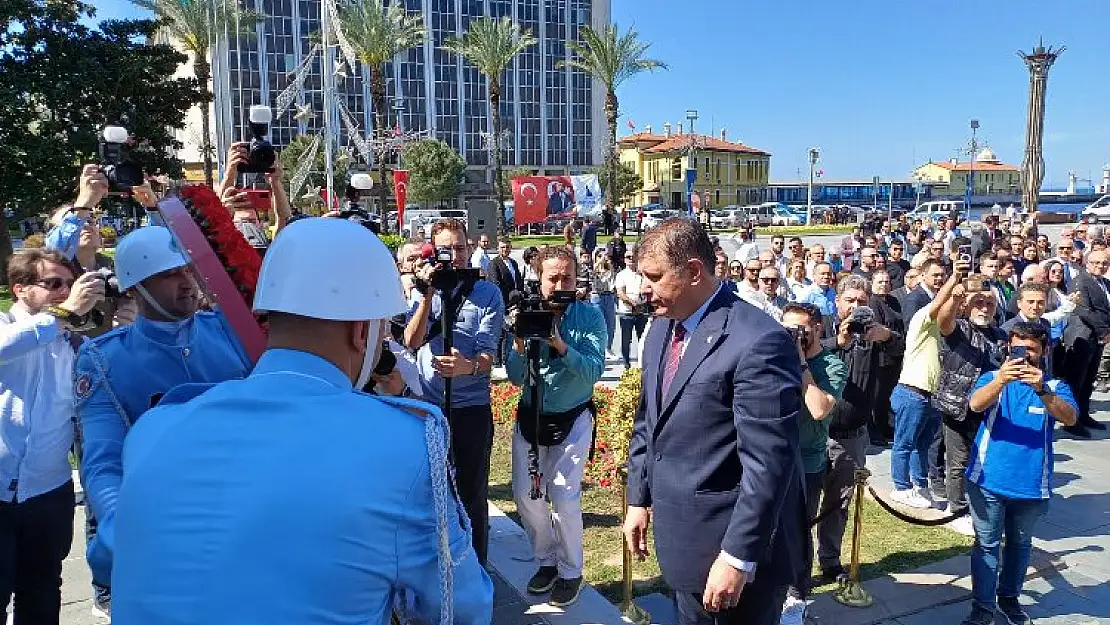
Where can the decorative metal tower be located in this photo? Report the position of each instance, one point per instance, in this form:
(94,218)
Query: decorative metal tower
(1039,61)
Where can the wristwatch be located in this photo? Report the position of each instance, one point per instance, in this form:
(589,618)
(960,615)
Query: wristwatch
(66,316)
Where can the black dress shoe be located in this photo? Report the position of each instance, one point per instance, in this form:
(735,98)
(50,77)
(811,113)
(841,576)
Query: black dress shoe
(1077,431)
(1089,422)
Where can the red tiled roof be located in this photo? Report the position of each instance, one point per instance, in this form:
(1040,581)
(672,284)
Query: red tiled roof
(950,166)
(642,136)
(680,142)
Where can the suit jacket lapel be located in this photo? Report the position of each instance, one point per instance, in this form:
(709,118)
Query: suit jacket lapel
(653,348)
(709,333)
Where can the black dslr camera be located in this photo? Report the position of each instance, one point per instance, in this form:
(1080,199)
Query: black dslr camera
(115,160)
(111,283)
(262,155)
(535,316)
(800,334)
(446,278)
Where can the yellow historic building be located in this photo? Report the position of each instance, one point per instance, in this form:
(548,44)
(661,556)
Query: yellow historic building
(992,176)
(727,172)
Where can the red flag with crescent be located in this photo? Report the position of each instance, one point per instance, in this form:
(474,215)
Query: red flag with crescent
(535,198)
(400,190)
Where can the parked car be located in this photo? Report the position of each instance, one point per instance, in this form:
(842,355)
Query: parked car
(656,217)
(784,217)
(720,219)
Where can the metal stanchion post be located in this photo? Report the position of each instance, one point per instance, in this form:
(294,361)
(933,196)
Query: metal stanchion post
(629,609)
(851,592)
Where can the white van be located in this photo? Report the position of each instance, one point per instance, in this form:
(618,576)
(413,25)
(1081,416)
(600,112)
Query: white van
(936,210)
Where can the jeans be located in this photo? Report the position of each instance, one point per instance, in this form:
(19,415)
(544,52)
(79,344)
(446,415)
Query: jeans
(35,537)
(628,322)
(607,304)
(991,515)
(959,437)
(915,428)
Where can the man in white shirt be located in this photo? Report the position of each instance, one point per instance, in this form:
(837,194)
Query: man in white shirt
(748,248)
(631,313)
(480,258)
(37,353)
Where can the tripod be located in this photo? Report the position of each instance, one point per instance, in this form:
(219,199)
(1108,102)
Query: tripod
(535,383)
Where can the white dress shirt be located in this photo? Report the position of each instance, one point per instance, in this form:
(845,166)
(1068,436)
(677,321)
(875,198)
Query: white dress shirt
(36,404)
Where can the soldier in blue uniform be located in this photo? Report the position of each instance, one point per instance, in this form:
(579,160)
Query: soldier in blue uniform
(121,374)
(290,497)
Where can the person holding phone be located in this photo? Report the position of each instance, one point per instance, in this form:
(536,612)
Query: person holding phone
(1009,478)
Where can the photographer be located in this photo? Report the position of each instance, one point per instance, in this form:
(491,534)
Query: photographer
(479,314)
(914,461)
(823,380)
(856,336)
(1009,478)
(570,361)
(122,374)
(37,348)
(972,344)
(239,203)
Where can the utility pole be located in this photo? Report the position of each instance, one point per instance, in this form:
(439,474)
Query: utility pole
(814,156)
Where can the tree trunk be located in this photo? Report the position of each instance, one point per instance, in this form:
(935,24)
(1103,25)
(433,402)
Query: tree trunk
(611,108)
(378,97)
(203,72)
(498,183)
(5,248)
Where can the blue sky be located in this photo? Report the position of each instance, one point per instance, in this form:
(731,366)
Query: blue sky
(877,84)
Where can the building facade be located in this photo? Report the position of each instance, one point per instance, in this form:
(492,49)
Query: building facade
(553,116)
(991,176)
(855,193)
(727,172)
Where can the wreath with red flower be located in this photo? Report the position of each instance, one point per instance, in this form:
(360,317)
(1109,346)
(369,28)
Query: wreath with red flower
(241,261)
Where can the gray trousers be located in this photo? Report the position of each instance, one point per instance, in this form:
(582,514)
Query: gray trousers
(959,437)
(846,454)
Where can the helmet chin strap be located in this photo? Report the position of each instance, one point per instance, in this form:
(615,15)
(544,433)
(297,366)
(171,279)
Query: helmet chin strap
(373,339)
(154,304)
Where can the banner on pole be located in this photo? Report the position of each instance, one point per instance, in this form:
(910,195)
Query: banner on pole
(400,190)
(538,198)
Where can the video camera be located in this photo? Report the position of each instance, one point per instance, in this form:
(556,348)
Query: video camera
(262,155)
(535,316)
(115,160)
(861,320)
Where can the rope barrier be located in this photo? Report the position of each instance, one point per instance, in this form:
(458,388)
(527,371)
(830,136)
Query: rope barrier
(902,516)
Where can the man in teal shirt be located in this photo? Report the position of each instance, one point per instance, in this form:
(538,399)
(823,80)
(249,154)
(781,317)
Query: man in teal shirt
(823,379)
(553,447)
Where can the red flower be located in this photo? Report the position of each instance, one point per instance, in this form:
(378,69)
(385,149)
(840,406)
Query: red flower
(240,260)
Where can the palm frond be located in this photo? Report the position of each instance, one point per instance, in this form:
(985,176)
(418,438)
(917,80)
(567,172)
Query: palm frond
(197,23)
(379,33)
(490,45)
(611,56)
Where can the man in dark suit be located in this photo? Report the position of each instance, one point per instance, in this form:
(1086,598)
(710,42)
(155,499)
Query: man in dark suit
(559,201)
(715,452)
(505,273)
(1086,333)
(932,277)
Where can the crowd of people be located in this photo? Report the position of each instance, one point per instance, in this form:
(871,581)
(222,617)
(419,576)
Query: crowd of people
(767,373)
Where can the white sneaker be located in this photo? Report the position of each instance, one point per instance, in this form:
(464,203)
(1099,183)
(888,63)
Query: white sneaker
(910,497)
(793,612)
(962,525)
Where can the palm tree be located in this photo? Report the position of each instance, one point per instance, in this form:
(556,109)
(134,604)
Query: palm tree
(198,24)
(491,44)
(378,34)
(612,58)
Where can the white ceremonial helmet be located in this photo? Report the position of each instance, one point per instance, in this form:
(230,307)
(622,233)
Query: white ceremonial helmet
(146,252)
(332,269)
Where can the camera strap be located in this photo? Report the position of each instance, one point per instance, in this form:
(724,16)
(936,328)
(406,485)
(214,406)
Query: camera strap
(437,327)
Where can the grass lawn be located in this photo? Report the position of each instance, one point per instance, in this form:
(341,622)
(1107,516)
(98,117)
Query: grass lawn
(5,299)
(888,544)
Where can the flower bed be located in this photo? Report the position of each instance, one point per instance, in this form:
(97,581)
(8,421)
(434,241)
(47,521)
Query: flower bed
(616,410)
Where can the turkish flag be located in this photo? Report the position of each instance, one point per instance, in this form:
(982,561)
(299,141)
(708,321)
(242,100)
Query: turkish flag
(529,199)
(400,190)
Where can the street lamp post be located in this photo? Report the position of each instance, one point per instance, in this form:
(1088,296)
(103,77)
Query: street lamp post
(814,156)
(399,109)
(971,169)
(691,161)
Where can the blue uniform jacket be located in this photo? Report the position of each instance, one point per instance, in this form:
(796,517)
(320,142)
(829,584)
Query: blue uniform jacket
(289,498)
(117,377)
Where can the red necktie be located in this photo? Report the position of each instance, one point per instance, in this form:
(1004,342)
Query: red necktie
(674,356)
